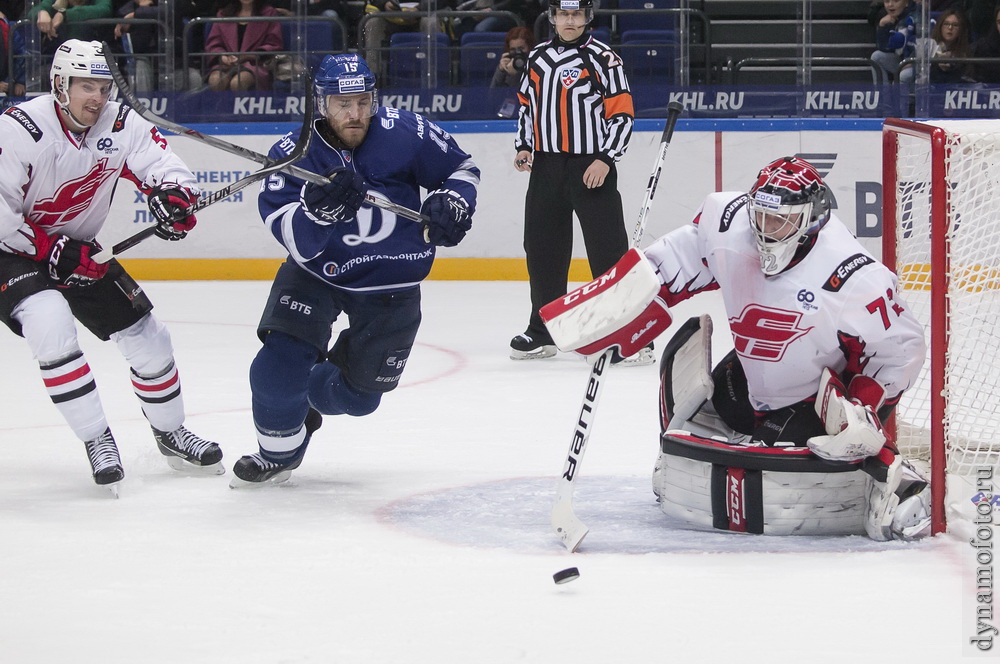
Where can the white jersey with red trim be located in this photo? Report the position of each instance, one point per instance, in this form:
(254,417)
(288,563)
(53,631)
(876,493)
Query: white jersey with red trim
(838,307)
(62,182)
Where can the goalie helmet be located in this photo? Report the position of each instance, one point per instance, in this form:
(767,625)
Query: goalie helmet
(789,204)
(343,74)
(587,5)
(82,59)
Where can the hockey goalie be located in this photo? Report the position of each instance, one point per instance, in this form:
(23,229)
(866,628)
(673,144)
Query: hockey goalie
(784,435)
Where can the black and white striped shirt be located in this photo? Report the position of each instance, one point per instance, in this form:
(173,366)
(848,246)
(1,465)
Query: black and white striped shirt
(575,99)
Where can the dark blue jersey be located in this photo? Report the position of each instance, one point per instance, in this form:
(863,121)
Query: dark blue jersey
(376,250)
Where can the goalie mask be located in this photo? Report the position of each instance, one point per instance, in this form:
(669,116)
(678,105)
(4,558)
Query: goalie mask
(569,5)
(343,74)
(79,59)
(789,204)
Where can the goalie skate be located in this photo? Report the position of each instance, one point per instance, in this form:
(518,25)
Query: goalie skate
(253,470)
(105,462)
(187,452)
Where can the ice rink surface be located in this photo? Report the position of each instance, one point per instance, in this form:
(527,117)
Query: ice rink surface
(419,534)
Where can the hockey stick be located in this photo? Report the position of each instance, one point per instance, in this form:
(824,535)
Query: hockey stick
(567,526)
(133,100)
(203,202)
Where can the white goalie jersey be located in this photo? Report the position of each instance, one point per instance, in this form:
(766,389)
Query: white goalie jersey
(838,307)
(63,183)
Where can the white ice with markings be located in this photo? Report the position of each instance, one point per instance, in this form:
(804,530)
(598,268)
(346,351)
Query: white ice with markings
(420,533)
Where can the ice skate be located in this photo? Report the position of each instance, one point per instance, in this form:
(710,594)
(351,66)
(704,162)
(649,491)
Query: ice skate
(105,462)
(529,346)
(643,358)
(187,452)
(255,470)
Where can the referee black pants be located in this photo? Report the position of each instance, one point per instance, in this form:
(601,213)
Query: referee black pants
(555,192)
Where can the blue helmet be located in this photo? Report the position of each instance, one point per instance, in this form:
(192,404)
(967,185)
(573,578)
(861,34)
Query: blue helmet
(344,74)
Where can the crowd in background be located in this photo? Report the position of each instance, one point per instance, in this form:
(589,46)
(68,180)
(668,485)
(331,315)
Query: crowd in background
(235,55)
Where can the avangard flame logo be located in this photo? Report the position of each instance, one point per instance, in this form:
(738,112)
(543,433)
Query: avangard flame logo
(72,198)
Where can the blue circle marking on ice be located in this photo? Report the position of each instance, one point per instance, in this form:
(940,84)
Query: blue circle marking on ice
(621,513)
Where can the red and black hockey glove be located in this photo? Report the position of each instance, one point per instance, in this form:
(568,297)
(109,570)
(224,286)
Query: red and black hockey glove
(170,207)
(70,262)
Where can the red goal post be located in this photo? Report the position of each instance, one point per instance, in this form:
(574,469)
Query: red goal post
(941,235)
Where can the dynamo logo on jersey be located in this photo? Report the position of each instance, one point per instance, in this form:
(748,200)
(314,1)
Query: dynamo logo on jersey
(351,84)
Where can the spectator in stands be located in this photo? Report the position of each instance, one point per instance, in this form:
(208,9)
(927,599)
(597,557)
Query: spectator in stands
(334,8)
(377,31)
(12,42)
(516,46)
(988,46)
(951,39)
(145,38)
(243,64)
(59,20)
(895,40)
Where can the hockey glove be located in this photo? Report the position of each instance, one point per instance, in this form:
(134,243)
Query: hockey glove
(337,200)
(448,220)
(170,208)
(70,263)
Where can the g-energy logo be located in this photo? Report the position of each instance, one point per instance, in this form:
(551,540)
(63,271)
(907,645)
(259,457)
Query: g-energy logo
(844,271)
(25,121)
(730,211)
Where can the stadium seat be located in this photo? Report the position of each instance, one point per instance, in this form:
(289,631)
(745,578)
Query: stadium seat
(480,55)
(602,34)
(650,21)
(648,56)
(315,37)
(408,58)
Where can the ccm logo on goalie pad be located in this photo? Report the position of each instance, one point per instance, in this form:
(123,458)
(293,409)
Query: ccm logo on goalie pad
(604,305)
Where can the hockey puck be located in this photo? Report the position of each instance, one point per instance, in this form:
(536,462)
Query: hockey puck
(566,575)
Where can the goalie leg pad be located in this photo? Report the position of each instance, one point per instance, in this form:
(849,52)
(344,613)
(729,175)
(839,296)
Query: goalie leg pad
(601,307)
(707,485)
(686,371)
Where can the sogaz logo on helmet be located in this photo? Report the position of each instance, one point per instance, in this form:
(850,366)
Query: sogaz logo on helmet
(765,199)
(349,84)
(100,68)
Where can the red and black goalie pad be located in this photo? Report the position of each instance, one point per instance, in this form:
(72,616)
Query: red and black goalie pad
(736,487)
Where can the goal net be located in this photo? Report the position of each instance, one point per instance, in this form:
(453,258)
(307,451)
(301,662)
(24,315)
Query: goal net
(941,234)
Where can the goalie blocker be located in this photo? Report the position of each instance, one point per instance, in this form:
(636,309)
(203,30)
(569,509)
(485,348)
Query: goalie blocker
(621,308)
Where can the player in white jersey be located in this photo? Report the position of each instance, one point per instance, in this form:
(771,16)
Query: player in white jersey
(810,312)
(61,156)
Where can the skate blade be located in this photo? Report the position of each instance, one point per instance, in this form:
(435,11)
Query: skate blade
(183,466)
(237,483)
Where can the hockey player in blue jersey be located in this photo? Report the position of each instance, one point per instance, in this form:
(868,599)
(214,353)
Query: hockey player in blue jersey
(348,258)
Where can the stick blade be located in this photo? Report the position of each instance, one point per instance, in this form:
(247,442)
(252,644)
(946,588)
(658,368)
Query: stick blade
(567,526)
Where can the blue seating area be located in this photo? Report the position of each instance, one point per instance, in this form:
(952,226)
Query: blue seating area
(409,55)
(479,56)
(649,56)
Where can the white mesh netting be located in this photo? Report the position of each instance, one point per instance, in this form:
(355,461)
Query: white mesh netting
(972,368)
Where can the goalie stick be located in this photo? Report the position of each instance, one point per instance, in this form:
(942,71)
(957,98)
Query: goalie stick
(299,151)
(144,111)
(567,526)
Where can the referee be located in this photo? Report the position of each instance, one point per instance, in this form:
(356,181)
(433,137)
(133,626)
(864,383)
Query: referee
(574,123)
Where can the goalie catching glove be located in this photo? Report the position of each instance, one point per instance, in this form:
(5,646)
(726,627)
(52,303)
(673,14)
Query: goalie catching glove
(448,218)
(337,200)
(853,428)
(170,207)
